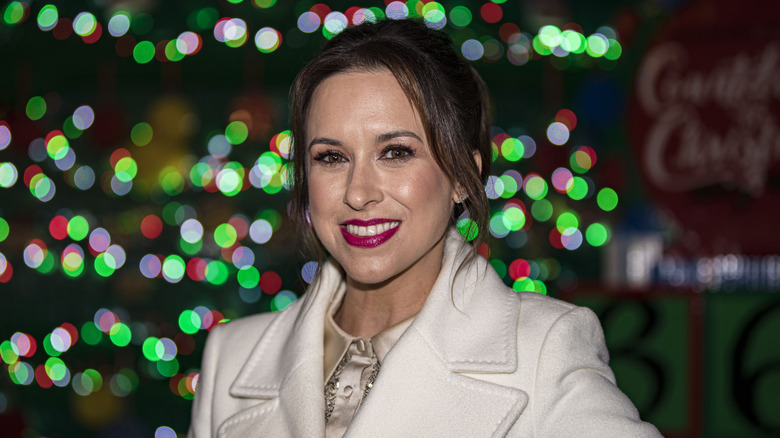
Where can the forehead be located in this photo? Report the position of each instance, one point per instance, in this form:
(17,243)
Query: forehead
(367,99)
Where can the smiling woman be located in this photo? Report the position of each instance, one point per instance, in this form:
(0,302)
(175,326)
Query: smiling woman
(405,331)
(379,202)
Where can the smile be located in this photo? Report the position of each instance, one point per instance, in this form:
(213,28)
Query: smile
(369,234)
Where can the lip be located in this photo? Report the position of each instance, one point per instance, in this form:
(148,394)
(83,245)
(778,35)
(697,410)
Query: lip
(368,241)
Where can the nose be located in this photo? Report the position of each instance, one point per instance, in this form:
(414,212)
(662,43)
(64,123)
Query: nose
(363,186)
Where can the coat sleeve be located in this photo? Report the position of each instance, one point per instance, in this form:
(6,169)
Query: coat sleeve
(201,422)
(575,388)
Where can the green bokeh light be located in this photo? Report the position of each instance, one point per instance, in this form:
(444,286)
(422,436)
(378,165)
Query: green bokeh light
(7,353)
(499,266)
(49,348)
(48,17)
(512,149)
(597,46)
(126,169)
(149,348)
(14,12)
(614,51)
(141,134)
(514,218)
(171,181)
(48,264)
(535,187)
(174,267)
(468,228)
(90,333)
(78,228)
(36,108)
(168,368)
(95,377)
(189,322)
(236,132)
(102,267)
(216,272)
(170,213)
(607,199)
(597,234)
(460,16)
(281,301)
(539,47)
(120,334)
(57,147)
(85,24)
(143,52)
(56,369)
(172,52)
(248,277)
(225,235)
(550,36)
(510,186)
(579,188)
(4,229)
(205,18)
(190,248)
(70,130)
(542,210)
(567,220)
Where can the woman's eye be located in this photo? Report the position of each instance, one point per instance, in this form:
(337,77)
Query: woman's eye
(398,153)
(330,157)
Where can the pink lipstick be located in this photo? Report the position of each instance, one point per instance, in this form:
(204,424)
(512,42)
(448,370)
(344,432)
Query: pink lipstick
(370,233)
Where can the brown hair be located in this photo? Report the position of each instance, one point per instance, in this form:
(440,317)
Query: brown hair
(445,90)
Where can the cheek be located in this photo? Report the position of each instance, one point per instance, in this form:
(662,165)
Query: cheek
(323,192)
(427,189)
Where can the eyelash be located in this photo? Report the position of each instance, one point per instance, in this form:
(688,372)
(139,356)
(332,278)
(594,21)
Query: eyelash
(325,156)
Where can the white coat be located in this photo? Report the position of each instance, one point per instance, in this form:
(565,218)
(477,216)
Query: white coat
(479,360)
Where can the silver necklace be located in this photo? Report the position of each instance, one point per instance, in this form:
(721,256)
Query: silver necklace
(332,387)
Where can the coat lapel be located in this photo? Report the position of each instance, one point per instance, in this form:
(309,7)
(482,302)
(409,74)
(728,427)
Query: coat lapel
(285,376)
(421,388)
(416,394)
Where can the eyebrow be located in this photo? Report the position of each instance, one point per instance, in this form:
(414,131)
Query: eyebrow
(395,134)
(381,138)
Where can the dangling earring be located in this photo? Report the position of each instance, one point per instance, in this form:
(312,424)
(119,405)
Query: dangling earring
(308,217)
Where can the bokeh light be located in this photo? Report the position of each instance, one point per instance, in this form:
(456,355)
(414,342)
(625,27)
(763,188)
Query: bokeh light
(268,40)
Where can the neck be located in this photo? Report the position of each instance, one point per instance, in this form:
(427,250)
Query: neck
(369,309)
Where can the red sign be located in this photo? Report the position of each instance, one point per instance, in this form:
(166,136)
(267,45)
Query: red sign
(705,122)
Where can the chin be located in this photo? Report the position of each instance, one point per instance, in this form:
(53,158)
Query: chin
(367,274)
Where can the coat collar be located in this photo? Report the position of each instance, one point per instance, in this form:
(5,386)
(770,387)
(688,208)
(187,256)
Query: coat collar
(459,330)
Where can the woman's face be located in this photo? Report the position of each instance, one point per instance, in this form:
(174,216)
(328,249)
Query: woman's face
(378,200)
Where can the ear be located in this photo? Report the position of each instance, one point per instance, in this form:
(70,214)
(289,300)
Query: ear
(457,193)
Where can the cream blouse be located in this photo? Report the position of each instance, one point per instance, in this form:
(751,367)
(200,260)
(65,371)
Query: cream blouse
(355,361)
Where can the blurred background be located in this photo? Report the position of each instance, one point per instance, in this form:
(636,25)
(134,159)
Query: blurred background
(143,196)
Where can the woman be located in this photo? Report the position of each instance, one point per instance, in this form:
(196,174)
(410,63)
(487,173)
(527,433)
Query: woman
(405,331)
